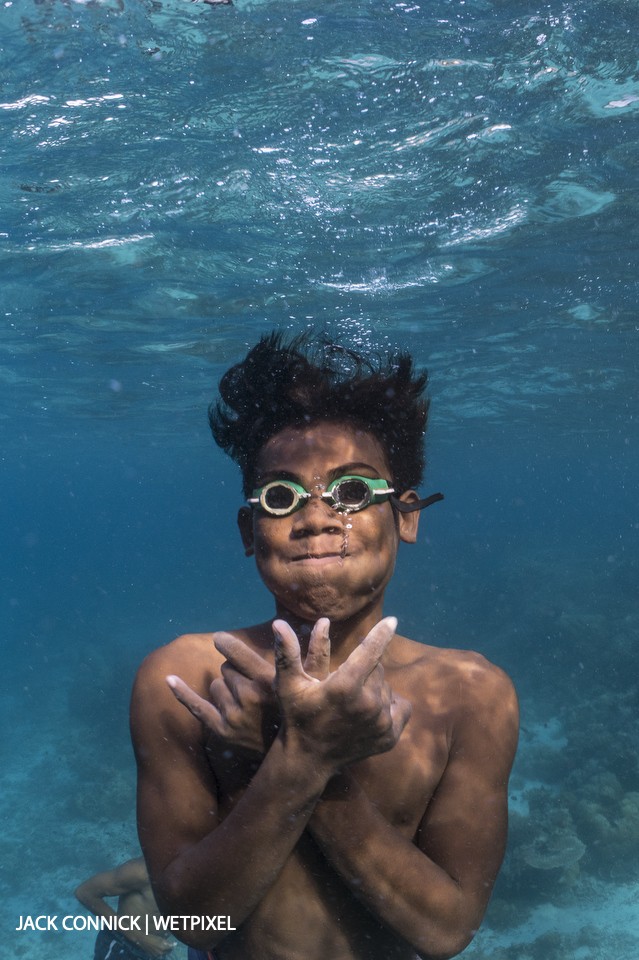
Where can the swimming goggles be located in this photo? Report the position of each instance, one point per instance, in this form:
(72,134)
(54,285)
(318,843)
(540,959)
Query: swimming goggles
(346,494)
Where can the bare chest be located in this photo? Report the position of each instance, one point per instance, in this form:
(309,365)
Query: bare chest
(400,782)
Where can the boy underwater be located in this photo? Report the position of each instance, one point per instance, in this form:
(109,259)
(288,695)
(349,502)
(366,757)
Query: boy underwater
(327,787)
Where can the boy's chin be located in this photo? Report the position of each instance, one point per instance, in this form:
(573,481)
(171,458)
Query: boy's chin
(324,601)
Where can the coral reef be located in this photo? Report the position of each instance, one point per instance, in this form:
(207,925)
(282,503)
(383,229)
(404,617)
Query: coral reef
(557,850)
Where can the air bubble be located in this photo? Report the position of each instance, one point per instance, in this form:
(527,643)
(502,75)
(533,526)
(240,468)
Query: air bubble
(346,528)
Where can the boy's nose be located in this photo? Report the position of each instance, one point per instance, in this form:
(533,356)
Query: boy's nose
(316,516)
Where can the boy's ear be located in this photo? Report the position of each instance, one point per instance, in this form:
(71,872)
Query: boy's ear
(408,522)
(245,523)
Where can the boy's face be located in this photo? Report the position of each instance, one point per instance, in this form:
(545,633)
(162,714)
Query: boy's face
(318,562)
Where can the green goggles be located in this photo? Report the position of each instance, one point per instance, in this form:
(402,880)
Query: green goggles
(346,494)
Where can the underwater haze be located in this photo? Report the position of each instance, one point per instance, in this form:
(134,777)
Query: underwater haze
(454,177)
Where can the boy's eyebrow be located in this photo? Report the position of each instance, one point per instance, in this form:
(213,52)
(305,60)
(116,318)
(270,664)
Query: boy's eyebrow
(354,467)
(341,471)
(269,475)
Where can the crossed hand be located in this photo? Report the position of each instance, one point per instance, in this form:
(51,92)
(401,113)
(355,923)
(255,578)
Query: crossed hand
(338,717)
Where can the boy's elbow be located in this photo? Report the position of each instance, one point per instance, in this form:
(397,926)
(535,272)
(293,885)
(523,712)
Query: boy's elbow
(197,941)
(446,949)
(446,942)
(173,900)
(197,937)
(453,947)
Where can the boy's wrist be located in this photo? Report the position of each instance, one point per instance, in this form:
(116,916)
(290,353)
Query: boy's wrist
(307,764)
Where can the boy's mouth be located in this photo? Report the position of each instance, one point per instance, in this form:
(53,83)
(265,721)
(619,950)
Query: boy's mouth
(318,559)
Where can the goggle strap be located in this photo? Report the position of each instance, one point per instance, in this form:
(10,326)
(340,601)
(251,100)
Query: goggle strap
(417,504)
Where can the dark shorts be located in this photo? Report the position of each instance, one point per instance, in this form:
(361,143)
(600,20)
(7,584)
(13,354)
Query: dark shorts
(194,954)
(112,945)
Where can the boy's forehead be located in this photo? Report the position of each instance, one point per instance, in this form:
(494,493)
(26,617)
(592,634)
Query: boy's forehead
(322,446)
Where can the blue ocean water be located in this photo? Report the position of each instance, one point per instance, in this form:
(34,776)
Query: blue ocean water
(454,177)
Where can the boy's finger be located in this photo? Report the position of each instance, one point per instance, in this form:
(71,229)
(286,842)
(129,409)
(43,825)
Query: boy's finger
(370,651)
(288,659)
(201,709)
(246,661)
(318,658)
(230,678)
(401,710)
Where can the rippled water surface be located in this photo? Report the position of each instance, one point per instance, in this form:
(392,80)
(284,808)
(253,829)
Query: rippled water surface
(456,177)
(179,176)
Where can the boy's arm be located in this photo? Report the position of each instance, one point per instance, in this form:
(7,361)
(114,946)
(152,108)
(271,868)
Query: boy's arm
(434,892)
(200,864)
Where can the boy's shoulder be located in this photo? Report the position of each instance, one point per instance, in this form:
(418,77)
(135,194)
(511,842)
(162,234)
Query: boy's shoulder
(463,676)
(469,699)
(186,647)
(193,657)
(416,653)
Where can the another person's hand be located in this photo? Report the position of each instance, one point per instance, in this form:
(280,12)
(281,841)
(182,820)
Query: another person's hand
(155,945)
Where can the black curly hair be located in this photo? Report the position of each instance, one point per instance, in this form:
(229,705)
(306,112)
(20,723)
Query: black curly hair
(290,383)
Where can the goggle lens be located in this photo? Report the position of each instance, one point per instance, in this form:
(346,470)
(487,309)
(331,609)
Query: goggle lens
(350,494)
(279,498)
(282,497)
